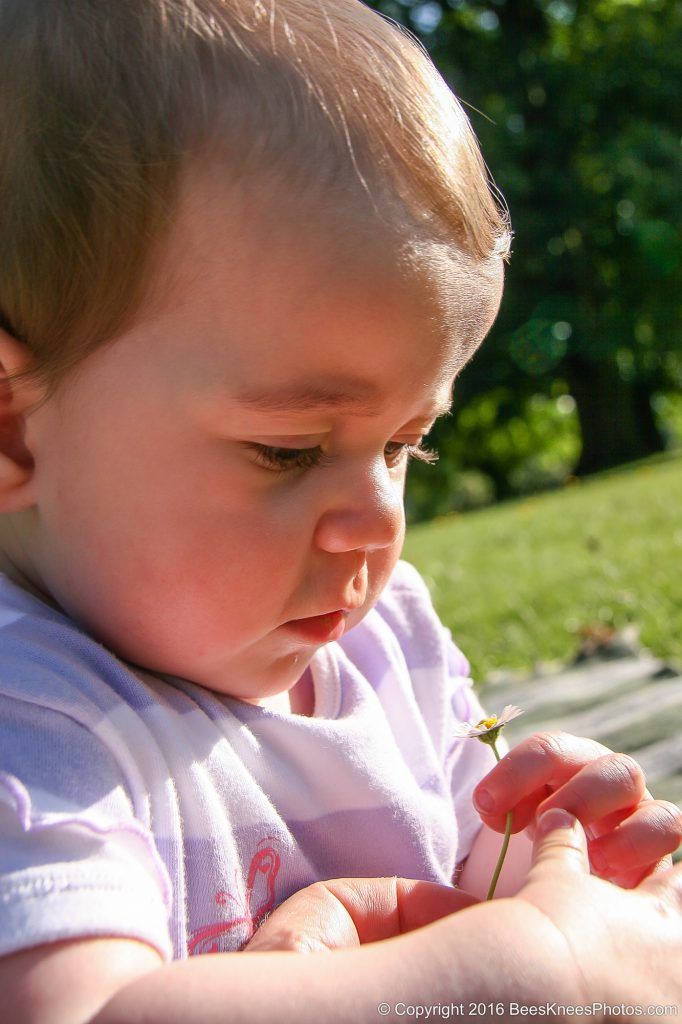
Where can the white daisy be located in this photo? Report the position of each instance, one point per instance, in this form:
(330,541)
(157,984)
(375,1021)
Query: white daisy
(487,730)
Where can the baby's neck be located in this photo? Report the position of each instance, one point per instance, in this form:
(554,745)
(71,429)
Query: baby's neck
(13,561)
(299,700)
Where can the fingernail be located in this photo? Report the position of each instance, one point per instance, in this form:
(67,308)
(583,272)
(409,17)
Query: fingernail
(555,817)
(483,801)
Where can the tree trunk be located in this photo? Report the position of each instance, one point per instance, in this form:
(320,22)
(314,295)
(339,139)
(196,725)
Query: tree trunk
(616,419)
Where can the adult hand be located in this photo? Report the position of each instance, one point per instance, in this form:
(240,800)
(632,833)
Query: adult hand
(626,947)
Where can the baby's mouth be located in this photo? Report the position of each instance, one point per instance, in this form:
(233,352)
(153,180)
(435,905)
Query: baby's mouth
(318,629)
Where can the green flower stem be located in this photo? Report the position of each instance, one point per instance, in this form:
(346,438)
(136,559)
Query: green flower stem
(505,844)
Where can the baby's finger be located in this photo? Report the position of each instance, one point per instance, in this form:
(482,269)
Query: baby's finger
(651,832)
(344,912)
(523,813)
(383,907)
(544,759)
(421,902)
(607,785)
(611,821)
(632,879)
(666,885)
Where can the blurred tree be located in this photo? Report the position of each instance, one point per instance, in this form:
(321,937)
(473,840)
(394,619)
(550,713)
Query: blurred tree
(577,105)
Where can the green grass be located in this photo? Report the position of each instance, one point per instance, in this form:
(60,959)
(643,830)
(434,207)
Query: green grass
(516,582)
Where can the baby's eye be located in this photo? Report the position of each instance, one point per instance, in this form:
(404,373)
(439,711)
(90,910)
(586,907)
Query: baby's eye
(395,451)
(282,459)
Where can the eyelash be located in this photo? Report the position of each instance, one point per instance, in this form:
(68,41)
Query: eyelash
(282,460)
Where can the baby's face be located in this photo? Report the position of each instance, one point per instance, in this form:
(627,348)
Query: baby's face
(220,491)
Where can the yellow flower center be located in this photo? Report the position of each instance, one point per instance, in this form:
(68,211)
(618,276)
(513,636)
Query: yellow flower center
(487,723)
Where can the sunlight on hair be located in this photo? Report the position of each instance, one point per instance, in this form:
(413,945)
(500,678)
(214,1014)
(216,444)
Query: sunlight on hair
(108,103)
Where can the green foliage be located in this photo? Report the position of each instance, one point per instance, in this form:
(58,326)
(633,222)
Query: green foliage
(585,146)
(668,407)
(491,447)
(516,583)
(575,104)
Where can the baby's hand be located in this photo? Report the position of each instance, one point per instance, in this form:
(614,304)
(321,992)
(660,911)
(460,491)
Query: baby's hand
(630,834)
(347,912)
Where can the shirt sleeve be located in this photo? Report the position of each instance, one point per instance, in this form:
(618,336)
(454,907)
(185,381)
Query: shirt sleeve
(74,860)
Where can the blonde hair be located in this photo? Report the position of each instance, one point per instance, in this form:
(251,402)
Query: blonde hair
(105,103)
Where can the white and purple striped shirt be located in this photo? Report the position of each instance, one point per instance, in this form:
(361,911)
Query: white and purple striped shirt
(155,809)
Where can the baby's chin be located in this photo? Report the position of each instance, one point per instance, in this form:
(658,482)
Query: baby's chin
(254,682)
(269,681)
(261,670)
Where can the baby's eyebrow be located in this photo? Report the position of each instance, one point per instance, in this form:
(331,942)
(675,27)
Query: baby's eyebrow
(347,393)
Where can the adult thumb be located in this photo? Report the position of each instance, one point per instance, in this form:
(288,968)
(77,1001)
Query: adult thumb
(559,845)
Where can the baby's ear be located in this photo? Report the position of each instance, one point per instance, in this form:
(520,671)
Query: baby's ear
(17,398)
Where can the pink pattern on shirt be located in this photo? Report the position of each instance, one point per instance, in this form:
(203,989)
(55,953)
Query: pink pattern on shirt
(263,871)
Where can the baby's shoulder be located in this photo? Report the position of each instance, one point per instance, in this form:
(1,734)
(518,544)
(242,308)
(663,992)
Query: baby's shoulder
(406,578)
(48,660)
(406,599)
(403,624)
(406,608)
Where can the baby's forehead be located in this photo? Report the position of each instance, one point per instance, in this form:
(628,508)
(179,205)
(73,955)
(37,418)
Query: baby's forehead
(219,224)
(464,294)
(249,309)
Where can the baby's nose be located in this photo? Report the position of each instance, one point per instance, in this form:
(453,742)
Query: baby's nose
(366,514)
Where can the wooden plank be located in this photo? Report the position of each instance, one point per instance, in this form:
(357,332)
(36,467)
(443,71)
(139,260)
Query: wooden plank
(582,686)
